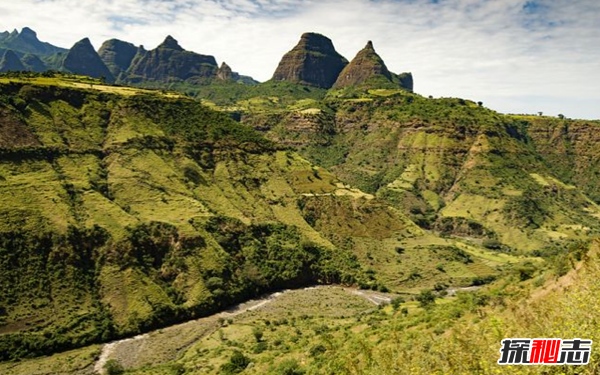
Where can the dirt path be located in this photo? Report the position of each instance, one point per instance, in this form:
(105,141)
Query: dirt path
(375,298)
(131,350)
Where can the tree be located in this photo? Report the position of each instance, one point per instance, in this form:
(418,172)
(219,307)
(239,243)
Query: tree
(480,104)
(258,334)
(561,116)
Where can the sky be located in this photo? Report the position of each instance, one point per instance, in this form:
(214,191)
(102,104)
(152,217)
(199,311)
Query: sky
(517,56)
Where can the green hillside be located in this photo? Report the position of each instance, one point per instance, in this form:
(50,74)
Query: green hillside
(126,209)
(452,165)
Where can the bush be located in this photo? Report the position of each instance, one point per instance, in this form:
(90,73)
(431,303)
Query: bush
(289,367)
(237,363)
(113,367)
(396,302)
(492,244)
(426,299)
(258,334)
(317,350)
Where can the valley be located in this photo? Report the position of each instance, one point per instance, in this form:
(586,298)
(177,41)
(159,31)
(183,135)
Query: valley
(162,214)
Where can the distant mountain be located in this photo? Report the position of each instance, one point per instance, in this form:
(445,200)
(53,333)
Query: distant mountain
(83,59)
(312,65)
(367,67)
(10,62)
(117,55)
(169,61)
(27,42)
(313,61)
(33,63)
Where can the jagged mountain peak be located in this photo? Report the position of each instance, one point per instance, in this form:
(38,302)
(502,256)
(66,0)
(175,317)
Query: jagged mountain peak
(28,33)
(83,59)
(27,41)
(170,43)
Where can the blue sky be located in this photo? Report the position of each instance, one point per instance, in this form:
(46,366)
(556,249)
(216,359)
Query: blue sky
(517,56)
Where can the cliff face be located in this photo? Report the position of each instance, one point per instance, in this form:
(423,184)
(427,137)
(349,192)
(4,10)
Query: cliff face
(117,55)
(170,62)
(83,59)
(313,61)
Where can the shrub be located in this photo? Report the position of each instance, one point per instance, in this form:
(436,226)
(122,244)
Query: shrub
(492,244)
(317,350)
(426,299)
(396,302)
(237,363)
(258,334)
(112,367)
(289,367)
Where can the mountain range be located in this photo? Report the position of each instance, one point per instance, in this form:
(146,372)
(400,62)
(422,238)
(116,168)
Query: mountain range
(313,61)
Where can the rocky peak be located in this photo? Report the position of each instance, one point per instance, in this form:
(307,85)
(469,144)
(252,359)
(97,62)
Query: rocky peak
(170,43)
(366,65)
(27,41)
(117,55)
(224,73)
(313,61)
(83,59)
(26,32)
(10,62)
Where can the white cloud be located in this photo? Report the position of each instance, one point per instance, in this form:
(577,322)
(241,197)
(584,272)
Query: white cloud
(544,58)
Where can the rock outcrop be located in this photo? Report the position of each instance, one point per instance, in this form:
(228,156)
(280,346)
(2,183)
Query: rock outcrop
(313,61)
(225,73)
(83,59)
